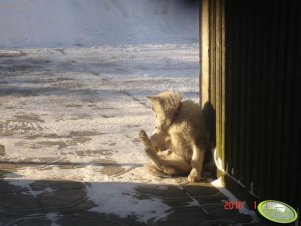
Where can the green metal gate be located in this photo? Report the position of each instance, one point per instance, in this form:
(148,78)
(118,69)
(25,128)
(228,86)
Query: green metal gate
(251,70)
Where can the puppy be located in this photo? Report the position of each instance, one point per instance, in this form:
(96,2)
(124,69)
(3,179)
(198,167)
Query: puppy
(180,139)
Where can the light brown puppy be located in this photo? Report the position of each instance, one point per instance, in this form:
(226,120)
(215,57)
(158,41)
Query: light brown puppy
(180,139)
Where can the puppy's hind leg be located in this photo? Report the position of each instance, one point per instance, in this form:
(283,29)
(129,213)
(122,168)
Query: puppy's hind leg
(162,163)
(157,161)
(151,153)
(144,139)
(170,164)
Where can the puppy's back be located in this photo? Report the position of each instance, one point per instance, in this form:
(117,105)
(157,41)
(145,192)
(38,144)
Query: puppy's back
(189,128)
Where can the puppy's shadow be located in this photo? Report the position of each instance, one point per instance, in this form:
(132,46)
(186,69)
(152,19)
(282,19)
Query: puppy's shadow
(209,163)
(209,113)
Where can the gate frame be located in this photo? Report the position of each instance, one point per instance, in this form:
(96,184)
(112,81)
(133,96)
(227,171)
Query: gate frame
(212,72)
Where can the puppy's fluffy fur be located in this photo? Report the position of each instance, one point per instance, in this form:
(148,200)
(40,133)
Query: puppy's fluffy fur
(178,144)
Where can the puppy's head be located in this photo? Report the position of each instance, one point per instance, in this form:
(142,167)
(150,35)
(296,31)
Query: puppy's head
(164,105)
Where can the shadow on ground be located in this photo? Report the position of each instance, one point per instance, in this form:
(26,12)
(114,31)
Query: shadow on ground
(43,202)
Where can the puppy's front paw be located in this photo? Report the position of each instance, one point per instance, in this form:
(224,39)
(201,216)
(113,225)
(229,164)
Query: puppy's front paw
(194,176)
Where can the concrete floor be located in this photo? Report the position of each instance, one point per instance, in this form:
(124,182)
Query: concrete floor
(64,129)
